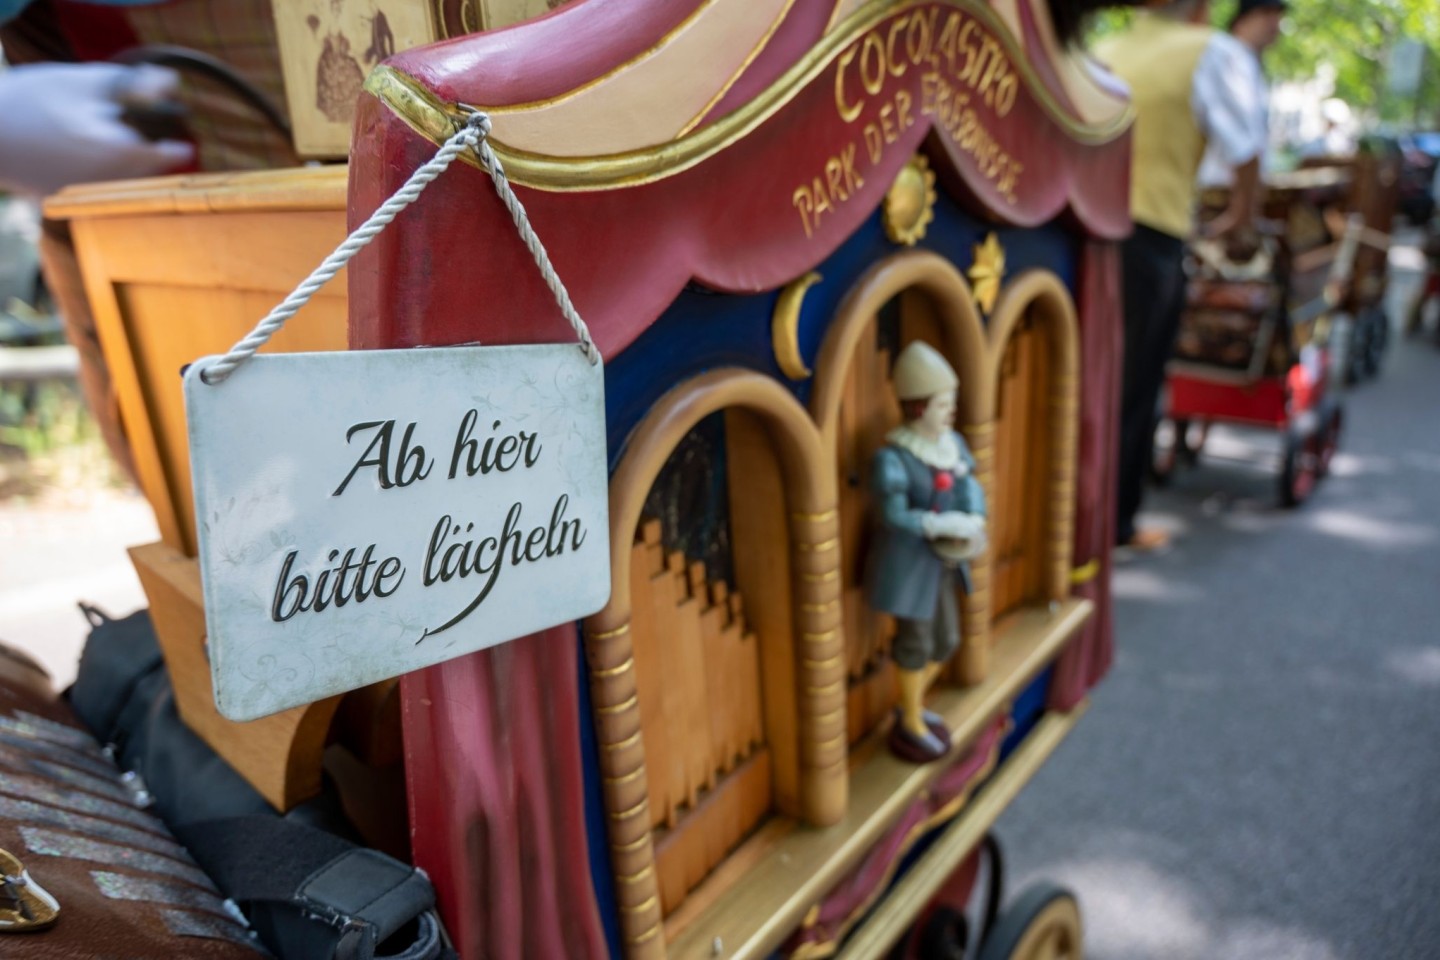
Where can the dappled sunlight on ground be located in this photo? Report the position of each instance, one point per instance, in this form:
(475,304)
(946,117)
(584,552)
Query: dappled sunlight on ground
(1419,665)
(1367,530)
(1135,910)
(1354,465)
(1421,460)
(1138,583)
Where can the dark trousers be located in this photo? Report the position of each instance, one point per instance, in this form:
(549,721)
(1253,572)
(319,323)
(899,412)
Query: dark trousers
(1154,285)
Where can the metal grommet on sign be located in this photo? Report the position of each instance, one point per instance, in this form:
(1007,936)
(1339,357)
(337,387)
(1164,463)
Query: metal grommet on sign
(25,906)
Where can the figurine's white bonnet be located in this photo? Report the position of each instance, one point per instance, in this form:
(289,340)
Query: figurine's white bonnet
(921,372)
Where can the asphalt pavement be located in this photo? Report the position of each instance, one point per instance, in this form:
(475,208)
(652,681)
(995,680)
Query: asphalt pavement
(1259,775)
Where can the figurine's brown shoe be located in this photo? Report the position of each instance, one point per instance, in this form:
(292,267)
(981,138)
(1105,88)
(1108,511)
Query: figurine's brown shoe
(933,722)
(914,748)
(937,725)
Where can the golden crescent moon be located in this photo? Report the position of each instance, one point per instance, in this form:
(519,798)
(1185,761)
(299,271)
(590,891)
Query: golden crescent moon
(785,327)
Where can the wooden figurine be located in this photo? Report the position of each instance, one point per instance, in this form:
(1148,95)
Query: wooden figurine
(932,515)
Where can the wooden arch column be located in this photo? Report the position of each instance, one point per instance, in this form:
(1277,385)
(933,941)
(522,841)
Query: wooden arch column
(964,345)
(1041,294)
(819,688)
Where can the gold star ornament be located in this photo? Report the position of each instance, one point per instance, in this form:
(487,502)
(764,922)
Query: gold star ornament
(987,271)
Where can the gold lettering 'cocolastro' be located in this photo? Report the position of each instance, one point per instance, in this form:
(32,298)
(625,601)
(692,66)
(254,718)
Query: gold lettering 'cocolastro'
(966,83)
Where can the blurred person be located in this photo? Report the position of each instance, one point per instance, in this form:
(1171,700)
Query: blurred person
(67,117)
(1186,95)
(64,123)
(1255,26)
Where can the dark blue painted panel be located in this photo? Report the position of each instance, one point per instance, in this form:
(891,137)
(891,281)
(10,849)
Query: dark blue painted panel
(703,330)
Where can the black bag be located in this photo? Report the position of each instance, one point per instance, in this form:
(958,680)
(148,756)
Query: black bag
(307,886)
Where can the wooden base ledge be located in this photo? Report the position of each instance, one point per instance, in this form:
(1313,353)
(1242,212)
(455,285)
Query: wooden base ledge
(895,914)
(751,903)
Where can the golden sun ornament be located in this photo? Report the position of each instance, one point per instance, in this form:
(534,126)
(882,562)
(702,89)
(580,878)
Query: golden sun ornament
(909,204)
(987,271)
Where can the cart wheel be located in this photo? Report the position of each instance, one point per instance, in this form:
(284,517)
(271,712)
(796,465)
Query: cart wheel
(1042,924)
(1176,442)
(1329,439)
(1165,451)
(1357,350)
(1376,341)
(1301,467)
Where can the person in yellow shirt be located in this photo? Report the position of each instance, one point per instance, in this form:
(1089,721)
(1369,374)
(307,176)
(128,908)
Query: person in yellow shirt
(1185,96)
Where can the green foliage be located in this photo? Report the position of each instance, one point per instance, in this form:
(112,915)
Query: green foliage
(1354,37)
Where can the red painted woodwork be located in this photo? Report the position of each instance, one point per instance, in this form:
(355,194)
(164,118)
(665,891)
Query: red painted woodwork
(834,915)
(492,761)
(1087,659)
(492,740)
(626,253)
(1263,403)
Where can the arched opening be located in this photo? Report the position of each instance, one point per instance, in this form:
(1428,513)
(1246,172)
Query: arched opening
(1034,343)
(912,295)
(718,697)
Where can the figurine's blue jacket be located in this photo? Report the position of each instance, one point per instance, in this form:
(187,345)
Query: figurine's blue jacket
(904,575)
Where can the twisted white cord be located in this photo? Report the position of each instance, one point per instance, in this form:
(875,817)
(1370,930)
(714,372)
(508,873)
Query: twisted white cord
(470,137)
(492,165)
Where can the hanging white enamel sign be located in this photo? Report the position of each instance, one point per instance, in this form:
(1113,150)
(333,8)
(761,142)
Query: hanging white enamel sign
(363,514)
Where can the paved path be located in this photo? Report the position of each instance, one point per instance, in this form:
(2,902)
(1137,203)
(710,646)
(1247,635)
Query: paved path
(60,551)
(1259,776)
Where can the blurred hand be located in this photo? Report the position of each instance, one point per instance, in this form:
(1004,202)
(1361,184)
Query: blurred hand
(1221,226)
(955,525)
(60,124)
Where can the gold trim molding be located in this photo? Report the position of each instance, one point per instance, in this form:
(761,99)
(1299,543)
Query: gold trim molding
(437,120)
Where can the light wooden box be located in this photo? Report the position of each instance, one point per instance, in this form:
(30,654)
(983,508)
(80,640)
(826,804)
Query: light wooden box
(175,269)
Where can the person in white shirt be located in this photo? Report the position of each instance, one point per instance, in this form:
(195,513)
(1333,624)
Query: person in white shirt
(1234,62)
(1187,97)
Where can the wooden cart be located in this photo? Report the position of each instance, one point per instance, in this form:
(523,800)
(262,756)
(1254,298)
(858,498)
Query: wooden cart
(755,205)
(1257,339)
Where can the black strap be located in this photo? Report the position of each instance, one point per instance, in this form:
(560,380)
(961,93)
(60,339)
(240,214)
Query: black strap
(363,894)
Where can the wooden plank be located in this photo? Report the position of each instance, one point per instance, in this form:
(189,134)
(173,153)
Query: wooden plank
(280,755)
(759,531)
(721,689)
(894,915)
(669,767)
(751,733)
(687,686)
(1038,521)
(168,327)
(254,251)
(649,677)
(752,911)
(273,191)
(368,723)
(320,45)
(722,819)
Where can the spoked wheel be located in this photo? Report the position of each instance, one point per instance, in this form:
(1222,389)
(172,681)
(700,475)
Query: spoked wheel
(1357,350)
(1165,452)
(1301,469)
(1329,438)
(1042,924)
(1376,341)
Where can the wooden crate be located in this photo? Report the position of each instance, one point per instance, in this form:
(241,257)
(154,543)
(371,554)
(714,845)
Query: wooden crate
(175,269)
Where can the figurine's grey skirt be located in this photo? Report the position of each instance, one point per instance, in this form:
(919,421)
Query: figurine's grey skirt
(920,642)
